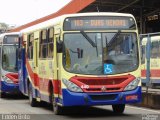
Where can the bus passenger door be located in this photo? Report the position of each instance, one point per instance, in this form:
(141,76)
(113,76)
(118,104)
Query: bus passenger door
(56,67)
(22,70)
(35,60)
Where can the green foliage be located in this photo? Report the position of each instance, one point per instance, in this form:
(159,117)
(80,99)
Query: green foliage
(3,27)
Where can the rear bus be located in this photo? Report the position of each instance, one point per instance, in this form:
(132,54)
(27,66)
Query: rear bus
(9,64)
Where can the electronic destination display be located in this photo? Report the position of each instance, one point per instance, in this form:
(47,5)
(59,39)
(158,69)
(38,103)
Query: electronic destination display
(10,39)
(98,23)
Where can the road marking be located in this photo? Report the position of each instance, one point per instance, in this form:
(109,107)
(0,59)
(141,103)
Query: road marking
(144,109)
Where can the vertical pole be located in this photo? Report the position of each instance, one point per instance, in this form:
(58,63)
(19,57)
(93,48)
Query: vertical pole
(144,25)
(141,20)
(148,62)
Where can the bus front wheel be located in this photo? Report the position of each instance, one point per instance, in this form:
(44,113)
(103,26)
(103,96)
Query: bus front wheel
(118,108)
(2,95)
(58,110)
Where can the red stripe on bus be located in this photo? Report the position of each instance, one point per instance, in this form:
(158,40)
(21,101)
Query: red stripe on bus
(13,77)
(33,76)
(57,87)
(154,73)
(43,83)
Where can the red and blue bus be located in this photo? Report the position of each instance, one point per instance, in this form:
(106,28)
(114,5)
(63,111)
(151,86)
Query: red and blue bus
(9,63)
(83,59)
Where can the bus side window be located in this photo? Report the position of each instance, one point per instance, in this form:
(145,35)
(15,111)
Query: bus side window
(30,46)
(143,54)
(59,44)
(50,42)
(154,49)
(43,44)
(19,53)
(0,55)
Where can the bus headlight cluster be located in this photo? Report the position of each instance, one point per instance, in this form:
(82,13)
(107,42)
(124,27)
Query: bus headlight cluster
(71,86)
(132,85)
(7,80)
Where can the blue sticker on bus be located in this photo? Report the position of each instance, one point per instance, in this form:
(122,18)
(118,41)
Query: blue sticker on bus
(108,68)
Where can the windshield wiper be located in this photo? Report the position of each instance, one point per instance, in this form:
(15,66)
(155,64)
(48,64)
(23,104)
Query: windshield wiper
(88,38)
(114,37)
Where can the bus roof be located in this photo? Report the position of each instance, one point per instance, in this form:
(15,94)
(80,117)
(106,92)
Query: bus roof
(57,20)
(9,33)
(4,34)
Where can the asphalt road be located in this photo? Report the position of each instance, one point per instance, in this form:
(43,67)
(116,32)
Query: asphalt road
(19,108)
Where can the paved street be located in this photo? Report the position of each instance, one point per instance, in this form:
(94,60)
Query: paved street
(14,105)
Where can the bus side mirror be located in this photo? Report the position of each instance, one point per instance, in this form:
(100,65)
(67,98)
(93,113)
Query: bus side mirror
(59,46)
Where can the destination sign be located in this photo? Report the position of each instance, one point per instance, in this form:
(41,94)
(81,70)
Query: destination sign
(99,23)
(10,39)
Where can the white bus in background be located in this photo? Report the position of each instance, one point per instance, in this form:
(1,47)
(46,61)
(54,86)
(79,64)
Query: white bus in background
(8,63)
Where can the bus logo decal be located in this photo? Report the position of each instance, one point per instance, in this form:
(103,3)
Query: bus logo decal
(103,89)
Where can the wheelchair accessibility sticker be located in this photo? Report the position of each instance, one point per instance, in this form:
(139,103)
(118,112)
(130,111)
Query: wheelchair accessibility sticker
(108,68)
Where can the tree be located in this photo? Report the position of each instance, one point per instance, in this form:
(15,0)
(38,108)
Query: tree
(3,27)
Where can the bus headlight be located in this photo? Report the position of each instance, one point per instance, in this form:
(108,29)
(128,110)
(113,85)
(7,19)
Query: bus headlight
(132,85)
(71,86)
(7,80)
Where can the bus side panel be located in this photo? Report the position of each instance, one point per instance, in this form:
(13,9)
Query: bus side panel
(22,74)
(0,67)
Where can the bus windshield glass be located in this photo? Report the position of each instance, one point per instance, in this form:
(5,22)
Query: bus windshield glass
(9,58)
(100,53)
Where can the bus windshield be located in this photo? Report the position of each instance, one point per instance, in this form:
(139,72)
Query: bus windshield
(9,58)
(100,53)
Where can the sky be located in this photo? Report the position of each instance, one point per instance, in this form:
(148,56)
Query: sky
(19,12)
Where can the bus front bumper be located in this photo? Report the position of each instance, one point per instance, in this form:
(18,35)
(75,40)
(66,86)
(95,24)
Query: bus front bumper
(9,87)
(90,99)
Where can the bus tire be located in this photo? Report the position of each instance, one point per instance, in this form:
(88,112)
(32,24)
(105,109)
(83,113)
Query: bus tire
(2,95)
(32,100)
(58,110)
(118,108)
